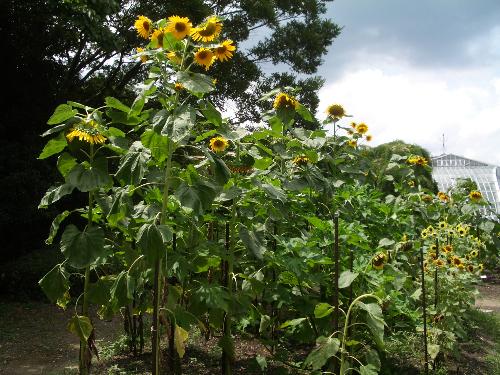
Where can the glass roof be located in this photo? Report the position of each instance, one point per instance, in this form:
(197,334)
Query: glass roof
(448,168)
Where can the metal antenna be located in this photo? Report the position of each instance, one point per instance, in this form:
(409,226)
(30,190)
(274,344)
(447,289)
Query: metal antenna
(444,149)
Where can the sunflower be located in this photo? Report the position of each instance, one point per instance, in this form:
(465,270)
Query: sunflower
(427,198)
(475,195)
(480,267)
(442,224)
(301,160)
(178,86)
(224,51)
(443,197)
(180,27)
(418,160)
(447,249)
(461,231)
(174,57)
(362,128)
(143,57)
(86,131)
(285,101)
(456,261)
(369,137)
(157,37)
(433,256)
(424,233)
(434,247)
(335,111)
(218,144)
(352,143)
(143,25)
(474,253)
(378,261)
(204,57)
(411,183)
(439,263)
(207,31)
(470,268)
(353,124)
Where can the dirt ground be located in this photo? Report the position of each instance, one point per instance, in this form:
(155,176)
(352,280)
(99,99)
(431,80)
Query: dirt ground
(34,339)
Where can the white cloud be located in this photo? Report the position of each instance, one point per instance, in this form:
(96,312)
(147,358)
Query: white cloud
(398,101)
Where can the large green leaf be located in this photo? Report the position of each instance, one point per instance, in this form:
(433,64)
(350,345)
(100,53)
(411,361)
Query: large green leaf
(54,228)
(198,196)
(346,278)
(157,143)
(323,309)
(80,326)
(179,124)
(55,285)
(253,241)
(133,164)
(115,103)
(61,113)
(375,321)
(368,370)
(99,293)
(180,337)
(195,82)
(122,290)
(54,146)
(65,163)
(152,240)
(326,347)
(87,177)
(210,112)
(54,194)
(81,249)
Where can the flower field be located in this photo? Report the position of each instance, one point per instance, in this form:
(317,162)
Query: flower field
(292,237)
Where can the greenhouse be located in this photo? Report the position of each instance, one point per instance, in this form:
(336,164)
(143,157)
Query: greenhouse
(448,168)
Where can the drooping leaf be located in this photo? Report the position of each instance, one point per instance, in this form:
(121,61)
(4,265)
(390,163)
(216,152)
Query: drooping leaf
(54,227)
(116,104)
(133,164)
(210,112)
(180,337)
(304,113)
(262,362)
(80,326)
(81,249)
(323,309)
(99,293)
(326,347)
(195,82)
(368,370)
(178,126)
(54,146)
(65,163)
(346,278)
(54,194)
(61,113)
(293,322)
(253,241)
(375,321)
(152,239)
(274,192)
(433,350)
(198,196)
(122,290)
(265,321)
(157,143)
(55,285)
(87,177)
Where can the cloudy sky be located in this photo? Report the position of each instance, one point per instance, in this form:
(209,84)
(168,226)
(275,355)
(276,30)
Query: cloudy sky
(415,70)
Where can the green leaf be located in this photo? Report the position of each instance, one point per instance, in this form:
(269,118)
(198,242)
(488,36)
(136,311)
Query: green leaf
(293,322)
(368,370)
(54,194)
(81,249)
(433,350)
(133,164)
(65,163)
(385,242)
(157,143)
(54,146)
(375,321)
(55,285)
(86,177)
(263,163)
(274,192)
(304,113)
(346,278)
(253,241)
(116,104)
(265,321)
(198,196)
(195,82)
(123,118)
(262,362)
(323,309)
(61,113)
(58,128)
(80,326)
(99,292)
(122,290)
(54,227)
(178,126)
(487,226)
(211,113)
(326,347)
(152,240)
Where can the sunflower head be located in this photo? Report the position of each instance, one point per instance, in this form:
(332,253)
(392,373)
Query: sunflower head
(204,57)
(447,249)
(379,260)
(418,160)
(480,267)
(144,26)
(180,27)
(424,234)
(143,57)
(285,101)
(335,111)
(218,144)
(362,128)
(443,197)
(369,137)
(475,196)
(352,143)
(470,268)
(442,224)
(456,261)
(438,263)
(174,57)
(178,86)
(300,160)
(157,37)
(87,131)
(474,253)
(208,30)
(411,183)
(224,51)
